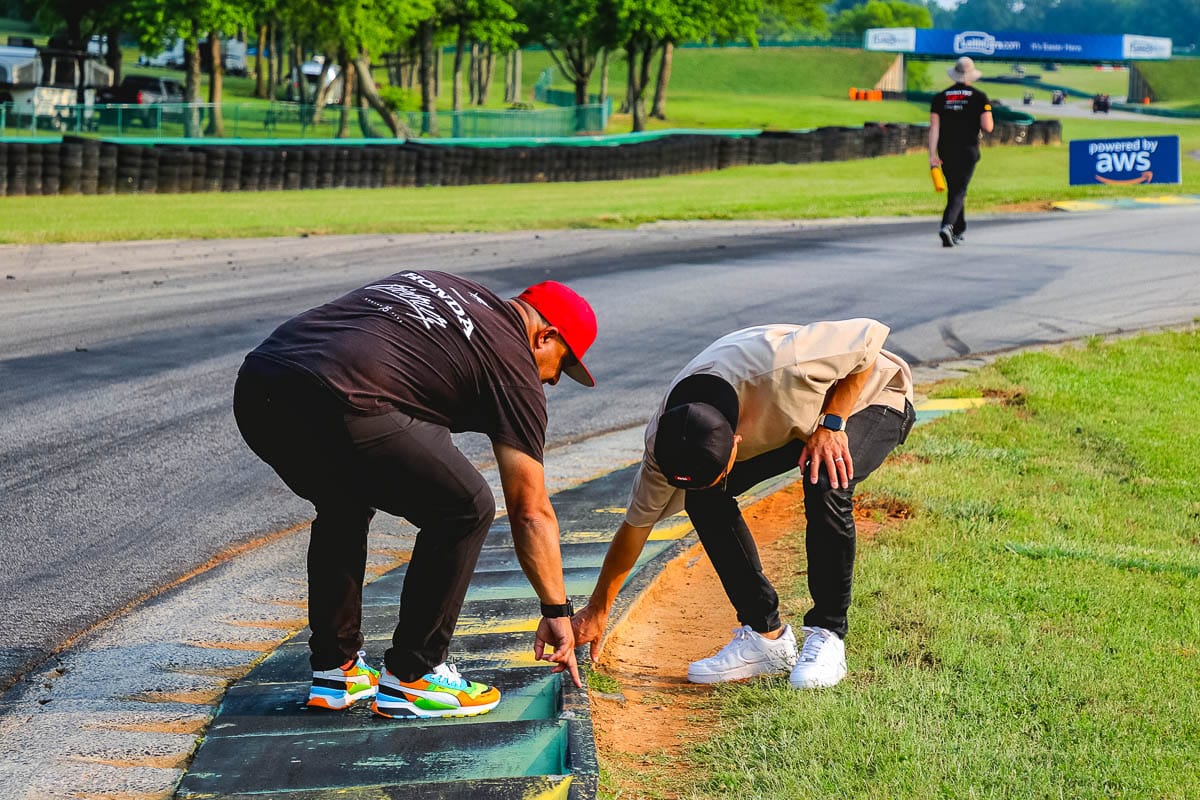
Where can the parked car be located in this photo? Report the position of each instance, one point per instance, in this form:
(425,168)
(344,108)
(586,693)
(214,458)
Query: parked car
(171,56)
(233,56)
(163,98)
(311,70)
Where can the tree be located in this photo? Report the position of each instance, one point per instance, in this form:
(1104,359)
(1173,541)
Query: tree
(574,32)
(996,15)
(357,28)
(788,20)
(881,14)
(77,17)
(492,23)
(646,26)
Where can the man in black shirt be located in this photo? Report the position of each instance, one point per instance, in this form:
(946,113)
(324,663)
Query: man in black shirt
(956,117)
(352,403)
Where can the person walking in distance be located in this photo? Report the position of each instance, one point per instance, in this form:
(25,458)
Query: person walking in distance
(352,403)
(825,397)
(956,117)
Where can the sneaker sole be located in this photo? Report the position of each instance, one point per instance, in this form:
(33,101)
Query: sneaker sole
(816,683)
(337,702)
(410,711)
(741,674)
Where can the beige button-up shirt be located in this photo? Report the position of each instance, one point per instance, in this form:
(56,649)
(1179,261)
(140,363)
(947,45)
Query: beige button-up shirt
(781,374)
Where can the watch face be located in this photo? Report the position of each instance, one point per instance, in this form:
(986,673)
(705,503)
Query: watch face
(833,422)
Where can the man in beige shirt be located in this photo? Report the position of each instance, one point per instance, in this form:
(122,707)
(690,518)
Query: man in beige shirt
(754,404)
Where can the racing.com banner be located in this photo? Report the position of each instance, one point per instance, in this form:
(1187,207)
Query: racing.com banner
(1017,46)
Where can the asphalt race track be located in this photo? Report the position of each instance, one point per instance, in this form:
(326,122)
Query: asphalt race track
(122,469)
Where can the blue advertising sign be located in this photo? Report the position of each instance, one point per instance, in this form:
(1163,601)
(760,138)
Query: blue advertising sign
(1017,46)
(1140,159)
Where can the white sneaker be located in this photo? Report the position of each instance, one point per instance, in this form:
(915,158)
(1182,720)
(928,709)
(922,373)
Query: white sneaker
(822,661)
(748,654)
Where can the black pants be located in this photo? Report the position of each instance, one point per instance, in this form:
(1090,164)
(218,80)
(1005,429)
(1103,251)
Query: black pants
(348,466)
(830,536)
(959,167)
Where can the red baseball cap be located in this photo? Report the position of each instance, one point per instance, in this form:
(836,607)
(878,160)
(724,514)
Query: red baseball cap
(563,308)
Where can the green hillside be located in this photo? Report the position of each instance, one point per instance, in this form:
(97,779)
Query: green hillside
(774,71)
(1174,80)
(780,88)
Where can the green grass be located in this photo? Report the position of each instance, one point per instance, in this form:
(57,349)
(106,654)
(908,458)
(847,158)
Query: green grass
(1033,630)
(778,88)
(1177,79)
(1007,176)
(600,682)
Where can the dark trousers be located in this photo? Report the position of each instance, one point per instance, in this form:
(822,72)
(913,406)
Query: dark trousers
(349,465)
(959,167)
(830,535)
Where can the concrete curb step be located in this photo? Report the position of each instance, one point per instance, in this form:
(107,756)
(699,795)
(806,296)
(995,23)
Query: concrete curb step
(538,743)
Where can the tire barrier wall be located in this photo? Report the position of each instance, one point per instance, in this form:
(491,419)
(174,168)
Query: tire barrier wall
(90,166)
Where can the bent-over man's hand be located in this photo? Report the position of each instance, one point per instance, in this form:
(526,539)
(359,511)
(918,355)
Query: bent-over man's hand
(831,449)
(557,634)
(589,625)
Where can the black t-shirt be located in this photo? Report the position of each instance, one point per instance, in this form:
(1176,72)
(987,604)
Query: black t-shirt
(959,109)
(434,345)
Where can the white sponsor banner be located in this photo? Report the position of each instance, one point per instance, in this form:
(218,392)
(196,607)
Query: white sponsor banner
(896,40)
(1146,46)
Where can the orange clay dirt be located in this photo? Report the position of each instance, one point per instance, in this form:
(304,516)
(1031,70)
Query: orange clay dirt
(684,615)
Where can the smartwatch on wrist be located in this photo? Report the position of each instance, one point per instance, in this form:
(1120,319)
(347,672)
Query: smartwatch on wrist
(554,611)
(832,421)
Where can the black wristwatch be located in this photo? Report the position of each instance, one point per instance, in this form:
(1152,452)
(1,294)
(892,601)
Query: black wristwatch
(555,611)
(833,422)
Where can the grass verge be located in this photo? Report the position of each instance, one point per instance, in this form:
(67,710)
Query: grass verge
(1007,178)
(1032,631)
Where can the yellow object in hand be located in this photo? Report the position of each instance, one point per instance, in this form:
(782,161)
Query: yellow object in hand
(939,179)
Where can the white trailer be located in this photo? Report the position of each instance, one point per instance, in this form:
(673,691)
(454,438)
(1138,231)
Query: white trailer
(48,88)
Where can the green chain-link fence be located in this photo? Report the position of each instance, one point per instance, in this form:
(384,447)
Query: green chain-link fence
(295,121)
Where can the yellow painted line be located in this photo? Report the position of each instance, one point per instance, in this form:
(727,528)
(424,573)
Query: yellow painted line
(559,791)
(517,658)
(1168,200)
(477,625)
(671,532)
(1080,205)
(952,404)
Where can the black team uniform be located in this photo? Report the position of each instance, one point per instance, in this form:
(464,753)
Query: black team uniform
(959,109)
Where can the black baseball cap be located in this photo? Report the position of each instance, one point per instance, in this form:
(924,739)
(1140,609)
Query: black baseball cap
(695,433)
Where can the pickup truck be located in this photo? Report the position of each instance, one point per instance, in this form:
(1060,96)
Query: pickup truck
(143,90)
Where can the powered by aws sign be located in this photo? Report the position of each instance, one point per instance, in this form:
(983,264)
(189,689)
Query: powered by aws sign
(1141,159)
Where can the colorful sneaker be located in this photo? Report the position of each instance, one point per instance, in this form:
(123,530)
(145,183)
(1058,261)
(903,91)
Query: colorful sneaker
(340,688)
(822,660)
(441,692)
(748,654)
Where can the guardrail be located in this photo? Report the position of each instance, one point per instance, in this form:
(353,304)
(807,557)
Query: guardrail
(295,121)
